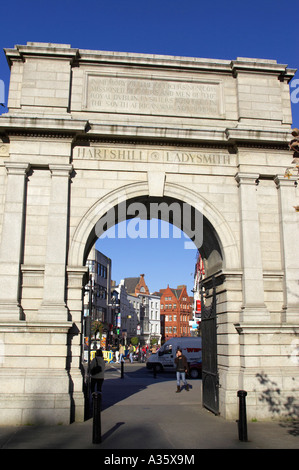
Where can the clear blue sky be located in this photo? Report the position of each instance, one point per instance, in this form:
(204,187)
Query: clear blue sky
(195,28)
(163,260)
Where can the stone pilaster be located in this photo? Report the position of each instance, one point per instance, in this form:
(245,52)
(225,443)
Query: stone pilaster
(289,229)
(254,308)
(12,241)
(53,306)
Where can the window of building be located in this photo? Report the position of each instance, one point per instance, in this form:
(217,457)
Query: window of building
(102,292)
(90,264)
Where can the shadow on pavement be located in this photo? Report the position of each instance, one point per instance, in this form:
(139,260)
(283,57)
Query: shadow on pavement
(136,379)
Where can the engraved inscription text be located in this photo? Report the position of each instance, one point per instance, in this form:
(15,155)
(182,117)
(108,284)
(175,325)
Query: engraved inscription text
(151,156)
(165,97)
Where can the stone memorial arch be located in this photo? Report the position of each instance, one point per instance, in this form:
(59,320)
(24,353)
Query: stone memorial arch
(88,131)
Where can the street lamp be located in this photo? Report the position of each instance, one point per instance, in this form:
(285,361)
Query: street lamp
(115,318)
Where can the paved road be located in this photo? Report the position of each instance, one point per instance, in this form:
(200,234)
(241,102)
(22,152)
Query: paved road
(143,412)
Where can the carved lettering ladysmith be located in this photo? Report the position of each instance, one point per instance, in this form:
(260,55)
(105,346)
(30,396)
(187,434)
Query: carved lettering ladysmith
(148,156)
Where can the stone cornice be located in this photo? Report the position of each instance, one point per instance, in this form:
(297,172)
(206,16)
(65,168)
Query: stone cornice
(91,130)
(244,135)
(41,126)
(59,51)
(35,327)
(262,66)
(282,180)
(77,56)
(231,67)
(272,328)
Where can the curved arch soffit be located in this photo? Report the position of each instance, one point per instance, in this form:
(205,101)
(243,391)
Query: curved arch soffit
(84,232)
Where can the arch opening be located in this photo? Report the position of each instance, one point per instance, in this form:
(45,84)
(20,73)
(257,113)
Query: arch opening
(180,214)
(196,217)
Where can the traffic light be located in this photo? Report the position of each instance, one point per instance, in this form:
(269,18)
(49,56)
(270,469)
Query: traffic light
(87,326)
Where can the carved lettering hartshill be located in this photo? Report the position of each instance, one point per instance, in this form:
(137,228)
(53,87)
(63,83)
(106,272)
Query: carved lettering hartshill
(156,96)
(151,156)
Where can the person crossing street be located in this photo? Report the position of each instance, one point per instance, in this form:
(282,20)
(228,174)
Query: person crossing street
(181,370)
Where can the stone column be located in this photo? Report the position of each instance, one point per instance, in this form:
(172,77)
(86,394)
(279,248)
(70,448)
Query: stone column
(254,308)
(53,306)
(11,248)
(77,277)
(289,230)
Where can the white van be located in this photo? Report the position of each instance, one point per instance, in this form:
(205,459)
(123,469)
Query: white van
(164,358)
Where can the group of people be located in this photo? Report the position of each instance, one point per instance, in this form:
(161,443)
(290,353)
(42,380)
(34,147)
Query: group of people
(97,368)
(97,365)
(140,351)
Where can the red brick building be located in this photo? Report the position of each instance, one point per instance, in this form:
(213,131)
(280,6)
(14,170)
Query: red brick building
(176,311)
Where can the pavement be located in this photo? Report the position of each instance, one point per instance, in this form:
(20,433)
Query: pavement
(140,412)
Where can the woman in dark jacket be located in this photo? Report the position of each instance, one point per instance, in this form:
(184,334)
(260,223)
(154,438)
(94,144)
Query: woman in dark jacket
(97,368)
(181,369)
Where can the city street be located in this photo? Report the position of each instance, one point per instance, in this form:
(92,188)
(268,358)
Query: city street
(143,412)
(139,387)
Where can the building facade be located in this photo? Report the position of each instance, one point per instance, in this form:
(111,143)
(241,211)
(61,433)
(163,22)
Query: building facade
(176,309)
(199,273)
(147,309)
(128,314)
(136,287)
(154,318)
(99,267)
(134,322)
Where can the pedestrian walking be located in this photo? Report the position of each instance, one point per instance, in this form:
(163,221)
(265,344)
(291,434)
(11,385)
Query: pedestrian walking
(97,368)
(131,351)
(117,356)
(143,354)
(181,369)
(121,353)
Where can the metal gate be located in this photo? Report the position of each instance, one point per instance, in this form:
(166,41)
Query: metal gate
(210,377)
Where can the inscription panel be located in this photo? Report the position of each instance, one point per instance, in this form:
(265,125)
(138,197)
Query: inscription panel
(154,96)
(151,156)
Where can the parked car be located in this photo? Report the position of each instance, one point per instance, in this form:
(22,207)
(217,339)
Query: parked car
(195,370)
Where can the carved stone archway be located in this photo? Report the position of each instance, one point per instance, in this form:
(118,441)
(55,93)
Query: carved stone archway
(88,130)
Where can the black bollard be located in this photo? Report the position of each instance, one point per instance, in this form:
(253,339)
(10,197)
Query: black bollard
(155,371)
(122,369)
(242,422)
(96,428)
